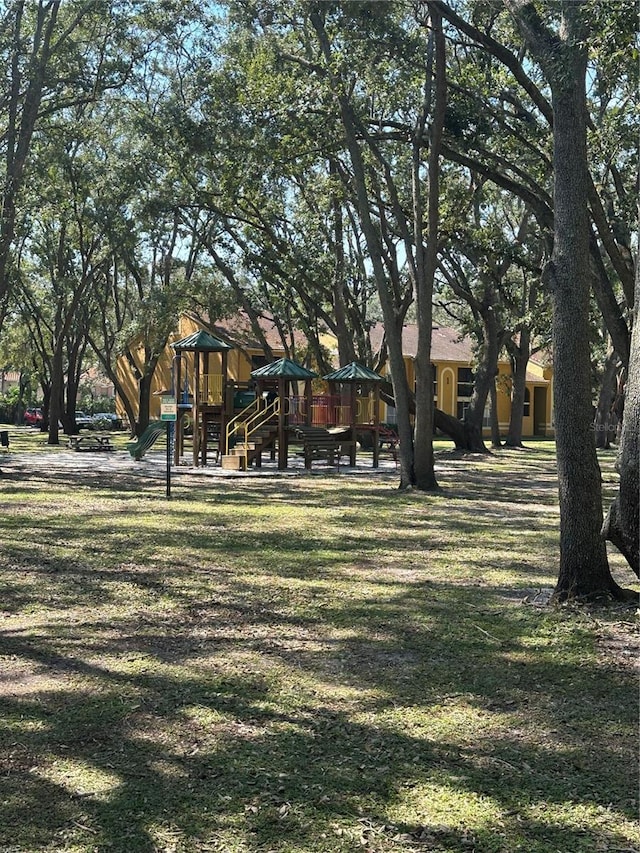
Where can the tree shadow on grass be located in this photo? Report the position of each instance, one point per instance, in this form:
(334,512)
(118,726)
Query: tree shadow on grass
(175,699)
(222,746)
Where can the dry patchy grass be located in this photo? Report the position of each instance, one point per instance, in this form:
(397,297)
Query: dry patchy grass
(309,664)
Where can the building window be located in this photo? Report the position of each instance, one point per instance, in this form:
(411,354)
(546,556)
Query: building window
(526,411)
(258,361)
(465,390)
(486,417)
(465,383)
(434,373)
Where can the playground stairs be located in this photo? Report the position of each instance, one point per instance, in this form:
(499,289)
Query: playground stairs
(243,454)
(249,434)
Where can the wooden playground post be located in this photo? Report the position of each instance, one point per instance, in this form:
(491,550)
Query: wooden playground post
(308,394)
(179,426)
(352,446)
(225,417)
(202,419)
(283,444)
(376,426)
(196,410)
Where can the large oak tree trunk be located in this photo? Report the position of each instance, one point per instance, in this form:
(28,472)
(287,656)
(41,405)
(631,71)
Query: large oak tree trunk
(425,265)
(520,358)
(584,569)
(144,401)
(622,524)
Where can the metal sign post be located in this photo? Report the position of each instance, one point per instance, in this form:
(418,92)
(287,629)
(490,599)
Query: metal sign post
(169,413)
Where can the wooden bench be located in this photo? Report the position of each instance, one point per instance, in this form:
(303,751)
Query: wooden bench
(389,437)
(320,443)
(90,442)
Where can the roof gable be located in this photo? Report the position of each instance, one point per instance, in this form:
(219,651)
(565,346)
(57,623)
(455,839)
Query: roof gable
(447,344)
(238,331)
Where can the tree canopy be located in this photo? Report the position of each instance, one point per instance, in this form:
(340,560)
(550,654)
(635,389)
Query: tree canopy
(333,165)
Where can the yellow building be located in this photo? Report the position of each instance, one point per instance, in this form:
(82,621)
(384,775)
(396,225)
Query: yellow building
(451,356)
(452,360)
(247,354)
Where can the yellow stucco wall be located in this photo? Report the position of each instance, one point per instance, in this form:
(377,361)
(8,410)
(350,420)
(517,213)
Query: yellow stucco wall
(538,421)
(239,369)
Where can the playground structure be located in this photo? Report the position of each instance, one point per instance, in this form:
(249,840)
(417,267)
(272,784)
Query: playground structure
(138,447)
(240,422)
(203,401)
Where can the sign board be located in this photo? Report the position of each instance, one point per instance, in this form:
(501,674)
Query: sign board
(168,409)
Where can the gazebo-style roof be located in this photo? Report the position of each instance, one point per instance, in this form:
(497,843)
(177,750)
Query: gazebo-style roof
(353,372)
(201,341)
(283,372)
(284,368)
(207,394)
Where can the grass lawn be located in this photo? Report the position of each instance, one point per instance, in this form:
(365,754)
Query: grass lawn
(308,664)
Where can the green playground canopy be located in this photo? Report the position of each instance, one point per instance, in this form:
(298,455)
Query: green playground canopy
(284,368)
(353,372)
(201,341)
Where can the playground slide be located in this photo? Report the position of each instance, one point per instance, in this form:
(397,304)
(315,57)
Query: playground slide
(139,447)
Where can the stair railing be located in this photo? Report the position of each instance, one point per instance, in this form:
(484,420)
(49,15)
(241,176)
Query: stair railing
(236,423)
(246,423)
(258,420)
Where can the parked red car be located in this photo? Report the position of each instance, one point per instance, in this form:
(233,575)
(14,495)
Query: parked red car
(33,417)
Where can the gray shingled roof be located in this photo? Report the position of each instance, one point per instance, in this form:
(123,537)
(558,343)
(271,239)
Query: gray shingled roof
(283,368)
(447,344)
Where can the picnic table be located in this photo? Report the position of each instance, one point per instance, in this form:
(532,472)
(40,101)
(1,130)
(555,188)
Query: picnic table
(319,442)
(92,441)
